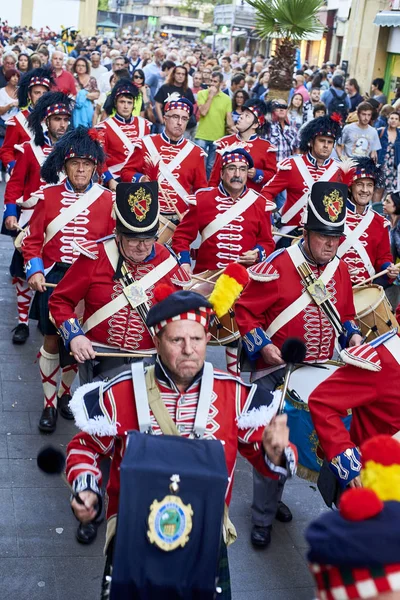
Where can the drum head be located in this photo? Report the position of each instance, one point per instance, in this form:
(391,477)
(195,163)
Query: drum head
(367,299)
(304,380)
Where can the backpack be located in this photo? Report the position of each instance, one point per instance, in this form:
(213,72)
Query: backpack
(338,105)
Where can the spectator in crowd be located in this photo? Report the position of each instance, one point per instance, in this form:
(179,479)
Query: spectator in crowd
(226,68)
(382,120)
(9,62)
(260,90)
(237,83)
(64,81)
(97,69)
(134,58)
(320,81)
(359,139)
(153,72)
(175,87)
(84,78)
(35,61)
(8,103)
(142,106)
(44,56)
(389,154)
(377,90)
(308,77)
(117,64)
(24,63)
(353,93)
(315,98)
(299,88)
(391,209)
(318,110)
(396,100)
(239,98)
(206,73)
(197,83)
(296,110)
(336,96)
(215,109)
(69,65)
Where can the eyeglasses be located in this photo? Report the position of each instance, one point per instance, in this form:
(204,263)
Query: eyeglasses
(277,106)
(177,118)
(136,242)
(138,77)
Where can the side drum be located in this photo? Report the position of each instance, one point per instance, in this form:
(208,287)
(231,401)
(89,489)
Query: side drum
(374,313)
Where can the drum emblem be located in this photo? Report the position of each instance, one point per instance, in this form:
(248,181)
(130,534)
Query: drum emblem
(333,205)
(140,203)
(170,523)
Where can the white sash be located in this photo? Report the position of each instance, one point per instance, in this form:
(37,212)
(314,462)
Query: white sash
(353,241)
(309,181)
(142,401)
(38,152)
(305,299)
(121,134)
(166,171)
(228,216)
(72,211)
(112,307)
(22,120)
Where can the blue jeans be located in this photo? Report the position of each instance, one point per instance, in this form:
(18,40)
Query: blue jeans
(210,148)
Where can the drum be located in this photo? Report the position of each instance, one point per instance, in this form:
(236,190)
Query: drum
(165,230)
(374,313)
(223,331)
(303,382)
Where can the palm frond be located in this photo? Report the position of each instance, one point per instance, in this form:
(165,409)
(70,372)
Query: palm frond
(290,19)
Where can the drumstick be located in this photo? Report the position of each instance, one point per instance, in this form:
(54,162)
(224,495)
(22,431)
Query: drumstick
(380,274)
(117,355)
(285,235)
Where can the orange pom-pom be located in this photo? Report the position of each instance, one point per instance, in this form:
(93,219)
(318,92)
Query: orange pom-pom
(237,272)
(94,134)
(382,449)
(162,291)
(359,504)
(337,118)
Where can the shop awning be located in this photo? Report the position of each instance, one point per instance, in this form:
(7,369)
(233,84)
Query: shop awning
(388,18)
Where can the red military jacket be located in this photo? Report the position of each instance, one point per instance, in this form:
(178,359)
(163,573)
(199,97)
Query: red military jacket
(180,173)
(104,434)
(17,133)
(248,231)
(90,223)
(118,137)
(91,279)
(274,286)
(296,175)
(366,247)
(25,178)
(262,152)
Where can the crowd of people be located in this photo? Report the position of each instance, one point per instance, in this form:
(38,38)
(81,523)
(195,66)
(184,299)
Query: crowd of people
(160,200)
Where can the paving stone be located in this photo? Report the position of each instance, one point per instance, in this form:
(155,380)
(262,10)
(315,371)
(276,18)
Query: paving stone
(281,594)
(28,579)
(22,396)
(5,473)
(24,473)
(19,369)
(8,538)
(89,570)
(11,425)
(3,446)
(28,446)
(64,427)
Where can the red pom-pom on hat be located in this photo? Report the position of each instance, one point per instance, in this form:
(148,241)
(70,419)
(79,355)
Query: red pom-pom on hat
(237,272)
(382,449)
(337,118)
(162,291)
(359,504)
(94,134)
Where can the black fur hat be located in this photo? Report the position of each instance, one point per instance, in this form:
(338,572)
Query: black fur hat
(258,108)
(326,126)
(364,168)
(123,87)
(41,76)
(81,142)
(52,103)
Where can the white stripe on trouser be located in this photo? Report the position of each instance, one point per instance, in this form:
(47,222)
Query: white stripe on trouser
(68,375)
(49,365)
(24,297)
(231,360)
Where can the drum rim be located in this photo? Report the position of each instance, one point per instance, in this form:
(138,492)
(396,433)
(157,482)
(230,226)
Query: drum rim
(366,311)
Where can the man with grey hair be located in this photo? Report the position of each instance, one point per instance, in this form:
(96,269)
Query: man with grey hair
(104,84)
(64,80)
(9,62)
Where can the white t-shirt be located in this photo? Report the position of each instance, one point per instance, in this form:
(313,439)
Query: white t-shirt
(4,100)
(359,142)
(98,72)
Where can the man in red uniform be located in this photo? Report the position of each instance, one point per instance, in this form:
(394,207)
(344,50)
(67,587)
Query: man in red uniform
(281,302)
(174,161)
(32,87)
(101,277)
(374,398)
(53,109)
(366,247)
(180,323)
(76,210)
(121,130)
(296,175)
(233,224)
(249,126)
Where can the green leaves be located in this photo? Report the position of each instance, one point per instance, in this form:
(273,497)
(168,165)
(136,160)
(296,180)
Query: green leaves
(290,19)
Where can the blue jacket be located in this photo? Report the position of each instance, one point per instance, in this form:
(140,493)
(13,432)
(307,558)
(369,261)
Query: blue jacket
(383,137)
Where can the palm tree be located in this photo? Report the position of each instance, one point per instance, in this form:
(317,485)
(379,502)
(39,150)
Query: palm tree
(291,21)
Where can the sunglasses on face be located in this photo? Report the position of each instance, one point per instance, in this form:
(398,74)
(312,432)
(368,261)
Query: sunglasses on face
(277,106)
(137,77)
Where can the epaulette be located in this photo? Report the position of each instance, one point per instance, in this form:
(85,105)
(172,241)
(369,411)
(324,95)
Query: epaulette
(231,147)
(224,376)
(191,199)
(88,407)
(272,149)
(19,147)
(385,222)
(284,165)
(100,126)
(265,271)
(89,249)
(257,413)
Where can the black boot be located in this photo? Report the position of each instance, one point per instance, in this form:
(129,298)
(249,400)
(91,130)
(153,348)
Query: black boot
(86,533)
(63,408)
(48,420)
(283,513)
(21,334)
(261,536)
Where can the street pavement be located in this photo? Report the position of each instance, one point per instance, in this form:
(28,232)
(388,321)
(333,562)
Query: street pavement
(40,558)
